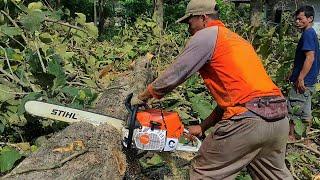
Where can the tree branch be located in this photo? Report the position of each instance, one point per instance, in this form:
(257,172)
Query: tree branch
(7,60)
(12,77)
(309,148)
(66,24)
(40,58)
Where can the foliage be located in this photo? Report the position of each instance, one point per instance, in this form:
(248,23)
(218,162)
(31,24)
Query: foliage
(42,57)
(303,164)
(8,156)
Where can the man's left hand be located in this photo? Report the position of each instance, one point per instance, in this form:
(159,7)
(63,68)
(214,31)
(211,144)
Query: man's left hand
(136,100)
(300,86)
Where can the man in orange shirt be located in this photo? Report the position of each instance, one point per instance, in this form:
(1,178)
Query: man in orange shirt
(250,127)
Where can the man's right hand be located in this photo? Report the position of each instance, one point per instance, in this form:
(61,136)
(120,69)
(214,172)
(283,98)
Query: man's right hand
(195,130)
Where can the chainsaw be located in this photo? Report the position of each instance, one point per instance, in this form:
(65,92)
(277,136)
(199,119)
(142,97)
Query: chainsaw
(147,129)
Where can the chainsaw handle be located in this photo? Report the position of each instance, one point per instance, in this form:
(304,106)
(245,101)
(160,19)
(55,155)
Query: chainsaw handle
(127,103)
(132,121)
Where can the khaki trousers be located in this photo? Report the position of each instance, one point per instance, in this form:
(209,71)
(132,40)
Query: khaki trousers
(250,142)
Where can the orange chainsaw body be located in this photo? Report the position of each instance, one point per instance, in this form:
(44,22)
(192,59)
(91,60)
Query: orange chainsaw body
(163,120)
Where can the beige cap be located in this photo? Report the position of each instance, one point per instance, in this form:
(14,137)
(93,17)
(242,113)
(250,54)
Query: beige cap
(198,7)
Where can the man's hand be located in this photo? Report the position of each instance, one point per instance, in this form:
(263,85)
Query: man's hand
(195,130)
(140,99)
(299,85)
(136,100)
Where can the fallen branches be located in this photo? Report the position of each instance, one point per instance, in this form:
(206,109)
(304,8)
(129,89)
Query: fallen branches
(309,148)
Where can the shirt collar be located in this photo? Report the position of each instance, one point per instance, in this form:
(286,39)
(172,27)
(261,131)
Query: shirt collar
(215,23)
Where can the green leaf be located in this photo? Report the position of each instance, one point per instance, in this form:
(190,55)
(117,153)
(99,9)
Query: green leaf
(10,31)
(317,86)
(54,68)
(316,121)
(90,82)
(35,5)
(32,21)
(6,93)
(1,128)
(7,158)
(70,91)
(81,18)
(14,119)
(45,38)
(202,106)
(34,148)
(293,157)
(81,95)
(156,160)
(92,29)
(12,109)
(299,127)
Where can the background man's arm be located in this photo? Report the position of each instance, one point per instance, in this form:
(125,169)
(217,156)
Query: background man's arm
(305,70)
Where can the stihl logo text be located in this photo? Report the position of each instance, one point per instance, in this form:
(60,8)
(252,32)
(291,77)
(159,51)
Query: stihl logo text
(58,112)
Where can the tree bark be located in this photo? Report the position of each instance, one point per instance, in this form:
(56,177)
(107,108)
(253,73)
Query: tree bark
(270,9)
(256,12)
(158,12)
(58,3)
(101,15)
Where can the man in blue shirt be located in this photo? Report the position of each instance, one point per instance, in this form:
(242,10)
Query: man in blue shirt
(305,70)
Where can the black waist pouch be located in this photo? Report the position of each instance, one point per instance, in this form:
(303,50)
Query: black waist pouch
(270,108)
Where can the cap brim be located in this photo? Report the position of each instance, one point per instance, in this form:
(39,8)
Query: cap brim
(183,19)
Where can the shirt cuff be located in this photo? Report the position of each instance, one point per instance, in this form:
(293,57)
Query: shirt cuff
(153,92)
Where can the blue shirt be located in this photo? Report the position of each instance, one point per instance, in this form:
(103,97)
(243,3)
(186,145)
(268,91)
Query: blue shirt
(307,42)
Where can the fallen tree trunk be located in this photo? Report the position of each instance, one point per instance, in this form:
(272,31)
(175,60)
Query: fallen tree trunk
(97,154)
(82,151)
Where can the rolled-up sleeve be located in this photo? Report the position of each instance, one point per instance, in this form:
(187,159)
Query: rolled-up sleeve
(197,53)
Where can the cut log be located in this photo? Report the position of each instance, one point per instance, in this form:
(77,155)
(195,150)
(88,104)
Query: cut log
(82,151)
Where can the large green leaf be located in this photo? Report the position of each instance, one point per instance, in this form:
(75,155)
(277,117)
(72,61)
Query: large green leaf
(35,5)
(92,29)
(6,93)
(10,31)
(55,68)
(15,119)
(81,18)
(33,60)
(202,106)
(45,38)
(299,127)
(70,91)
(32,21)
(7,158)
(155,160)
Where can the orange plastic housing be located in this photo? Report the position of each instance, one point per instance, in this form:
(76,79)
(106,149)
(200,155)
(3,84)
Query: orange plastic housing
(169,121)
